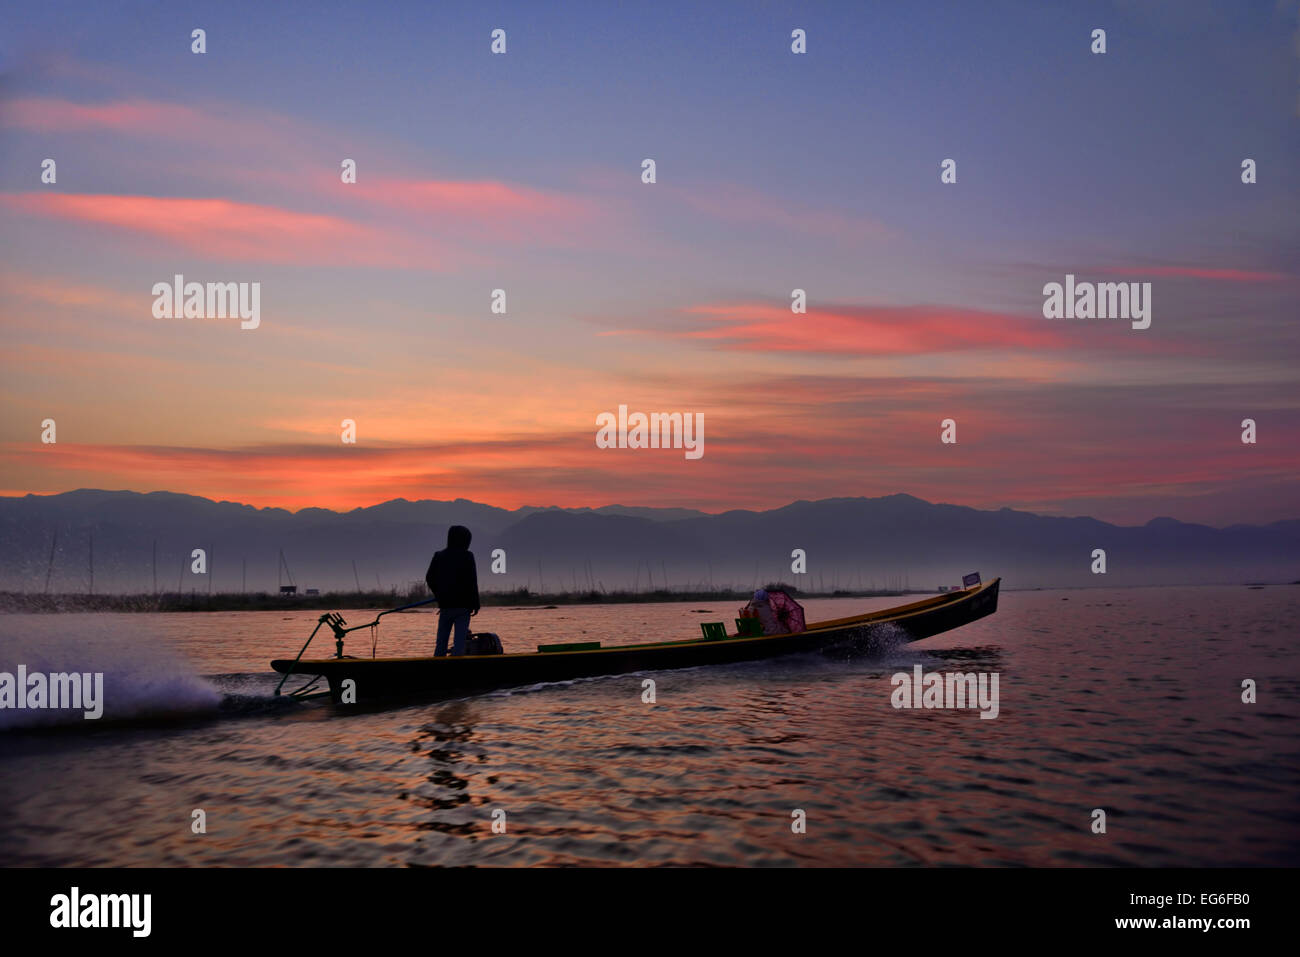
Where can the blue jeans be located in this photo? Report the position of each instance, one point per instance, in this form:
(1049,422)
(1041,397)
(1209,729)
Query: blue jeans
(446,618)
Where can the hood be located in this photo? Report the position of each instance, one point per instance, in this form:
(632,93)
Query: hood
(458,536)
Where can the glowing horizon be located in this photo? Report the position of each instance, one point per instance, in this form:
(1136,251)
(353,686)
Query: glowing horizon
(522,172)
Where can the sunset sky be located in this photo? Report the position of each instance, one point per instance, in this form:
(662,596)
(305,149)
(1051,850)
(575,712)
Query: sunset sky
(775,171)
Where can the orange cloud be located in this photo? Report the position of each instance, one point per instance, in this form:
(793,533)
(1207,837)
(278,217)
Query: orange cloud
(792,437)
(56,291)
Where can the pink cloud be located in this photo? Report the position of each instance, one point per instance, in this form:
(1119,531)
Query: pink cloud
(226,229)
(50,115)
(217,126)
(873,330)
(463,198)
(487,209)
(490,209)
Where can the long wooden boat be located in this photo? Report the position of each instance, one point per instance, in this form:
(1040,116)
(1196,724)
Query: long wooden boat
(381,678)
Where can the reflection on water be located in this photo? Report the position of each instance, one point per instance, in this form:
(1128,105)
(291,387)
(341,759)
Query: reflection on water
(443,742)
(1127,700)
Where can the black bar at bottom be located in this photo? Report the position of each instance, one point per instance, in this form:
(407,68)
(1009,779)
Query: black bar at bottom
(337,907)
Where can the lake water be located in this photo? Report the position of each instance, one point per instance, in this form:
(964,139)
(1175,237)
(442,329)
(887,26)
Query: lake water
(1128,700)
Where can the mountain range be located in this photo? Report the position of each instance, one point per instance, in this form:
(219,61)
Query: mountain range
(849,543)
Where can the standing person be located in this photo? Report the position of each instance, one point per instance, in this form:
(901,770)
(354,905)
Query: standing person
(453,580)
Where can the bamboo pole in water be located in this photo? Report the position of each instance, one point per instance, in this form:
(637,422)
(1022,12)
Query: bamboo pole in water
(49,570)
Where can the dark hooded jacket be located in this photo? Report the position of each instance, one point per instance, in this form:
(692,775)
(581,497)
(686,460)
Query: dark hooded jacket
(452,577)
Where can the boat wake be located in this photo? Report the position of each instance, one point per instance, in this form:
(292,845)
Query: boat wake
(131,692)
(888,638)
(130,681)
(251,695)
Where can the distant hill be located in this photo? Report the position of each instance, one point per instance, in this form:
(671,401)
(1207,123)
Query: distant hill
(850,542)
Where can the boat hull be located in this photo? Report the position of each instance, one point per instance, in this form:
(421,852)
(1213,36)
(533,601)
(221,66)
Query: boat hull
(386,678)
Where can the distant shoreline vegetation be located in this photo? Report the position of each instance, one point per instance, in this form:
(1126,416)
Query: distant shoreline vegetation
(329,601)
